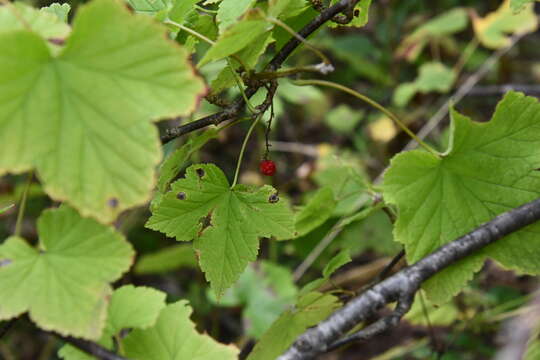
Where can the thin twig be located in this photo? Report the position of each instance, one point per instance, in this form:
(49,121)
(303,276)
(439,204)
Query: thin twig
(94,349)
(529,89)
(406,282)
(237,106)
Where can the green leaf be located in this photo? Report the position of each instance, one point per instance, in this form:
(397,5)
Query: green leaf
(342,258)
(488,169)
(225,222)
(235,38)
(343,119)
(443,315)
(319,208)
(230,11)
(344,176)
(432,77)
(61,114)
(494,29)
(165,260)
(181,10)
(174,337)
(310,310)
(60,10)
(444,25)
(75,260)
(360,14)
(404,93)
(44,23)
(286,8)
(151,7)
(368,230)
(134,307)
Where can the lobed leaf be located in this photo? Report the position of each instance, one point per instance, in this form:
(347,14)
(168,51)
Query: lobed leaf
(489,168)
(225,223)
(75,260)
(174,337)
(82,118)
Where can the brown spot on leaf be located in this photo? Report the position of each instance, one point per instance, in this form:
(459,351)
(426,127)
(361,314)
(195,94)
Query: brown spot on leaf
(181,195)
(113,202)
(274,198)
(200,172)
(56,41)
(205,221)
(356,12)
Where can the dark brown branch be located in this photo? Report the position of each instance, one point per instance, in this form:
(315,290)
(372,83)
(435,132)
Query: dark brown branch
(94,349)
(237,106)
(406,282)
(5,327)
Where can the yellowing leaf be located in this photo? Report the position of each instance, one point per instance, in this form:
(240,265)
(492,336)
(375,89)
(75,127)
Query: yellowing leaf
(493,30)
(382,130)
(82,118)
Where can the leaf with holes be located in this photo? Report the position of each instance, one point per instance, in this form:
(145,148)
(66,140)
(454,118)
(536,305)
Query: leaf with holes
(360,14)
(488,169)
(174,337)
(82,117)
(225,222)
(68,247)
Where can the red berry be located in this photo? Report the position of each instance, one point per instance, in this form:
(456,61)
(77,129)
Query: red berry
(267,167)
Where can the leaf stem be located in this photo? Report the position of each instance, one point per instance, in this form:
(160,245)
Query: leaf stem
(22,204)
(191,31)
(465,56)
(243,148)
(372,103)
(240,85)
